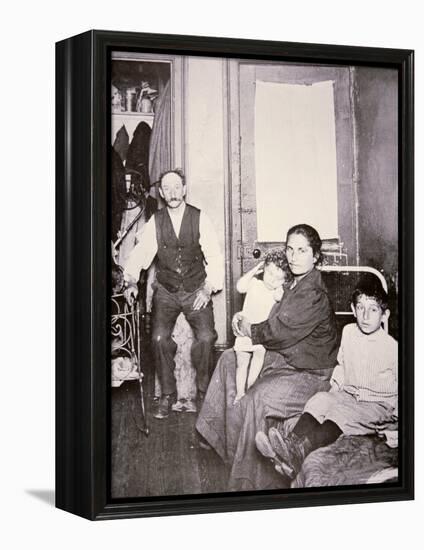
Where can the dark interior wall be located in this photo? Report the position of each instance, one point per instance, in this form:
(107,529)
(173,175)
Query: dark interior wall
(377,161)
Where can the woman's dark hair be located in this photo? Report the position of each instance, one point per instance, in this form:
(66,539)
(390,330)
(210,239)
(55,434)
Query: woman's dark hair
(311,235)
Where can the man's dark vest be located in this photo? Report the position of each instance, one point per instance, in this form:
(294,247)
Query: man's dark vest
(180,259)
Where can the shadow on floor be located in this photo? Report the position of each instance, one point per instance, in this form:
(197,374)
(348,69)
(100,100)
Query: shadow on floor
(45,495)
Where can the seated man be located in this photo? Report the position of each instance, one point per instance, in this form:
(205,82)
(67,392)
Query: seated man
(189,269)
(364,388)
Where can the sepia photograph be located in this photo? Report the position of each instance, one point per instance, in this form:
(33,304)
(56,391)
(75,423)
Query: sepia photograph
(254,274)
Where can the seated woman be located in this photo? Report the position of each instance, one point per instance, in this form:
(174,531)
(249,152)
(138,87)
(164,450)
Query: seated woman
(301,342)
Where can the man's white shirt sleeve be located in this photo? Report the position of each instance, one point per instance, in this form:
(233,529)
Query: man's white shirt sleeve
(212,252)
(143,253)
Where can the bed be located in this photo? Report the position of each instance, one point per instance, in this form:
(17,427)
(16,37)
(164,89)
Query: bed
(351,460)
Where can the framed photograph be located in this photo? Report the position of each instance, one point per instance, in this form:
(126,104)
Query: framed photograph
(235,293)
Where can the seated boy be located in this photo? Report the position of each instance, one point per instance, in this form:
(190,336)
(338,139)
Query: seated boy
(364,388)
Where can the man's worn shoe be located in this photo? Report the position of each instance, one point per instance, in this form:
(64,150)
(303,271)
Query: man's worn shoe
(190,406)
(179,406)
(184,405)
(291,450)
(163,407)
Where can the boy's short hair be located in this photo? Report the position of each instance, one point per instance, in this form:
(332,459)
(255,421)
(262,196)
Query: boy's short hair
(277,256)
(371,288)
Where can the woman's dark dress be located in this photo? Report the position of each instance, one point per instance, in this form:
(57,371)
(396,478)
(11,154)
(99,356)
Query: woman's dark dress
(301,342)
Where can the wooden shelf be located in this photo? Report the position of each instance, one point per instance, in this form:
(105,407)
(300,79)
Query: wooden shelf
(132,113)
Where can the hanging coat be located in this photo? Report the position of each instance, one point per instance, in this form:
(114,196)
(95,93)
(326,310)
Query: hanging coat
(138,152)
(121,143)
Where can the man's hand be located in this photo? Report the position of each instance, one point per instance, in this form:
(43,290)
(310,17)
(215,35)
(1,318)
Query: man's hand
(202,299)
(131,293)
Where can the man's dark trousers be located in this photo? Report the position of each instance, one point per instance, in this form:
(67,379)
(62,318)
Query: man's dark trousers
(166,308)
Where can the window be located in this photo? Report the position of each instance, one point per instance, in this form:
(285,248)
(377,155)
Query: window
(295,158)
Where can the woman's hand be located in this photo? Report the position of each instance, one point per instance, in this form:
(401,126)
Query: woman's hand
(245,326)
(240,325)
(278,294)
(235,323)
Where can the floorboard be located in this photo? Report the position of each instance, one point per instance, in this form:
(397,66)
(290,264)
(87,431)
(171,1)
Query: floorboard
(169,460)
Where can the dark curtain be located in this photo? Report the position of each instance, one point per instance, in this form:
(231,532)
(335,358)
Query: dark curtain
(160,141)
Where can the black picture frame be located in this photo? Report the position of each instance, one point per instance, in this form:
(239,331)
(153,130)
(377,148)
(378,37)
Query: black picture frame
(82,267)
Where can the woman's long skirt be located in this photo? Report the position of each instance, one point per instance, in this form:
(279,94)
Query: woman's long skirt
(279,393)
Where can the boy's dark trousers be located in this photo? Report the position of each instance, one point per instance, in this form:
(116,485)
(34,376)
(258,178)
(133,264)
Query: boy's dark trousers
(319,435)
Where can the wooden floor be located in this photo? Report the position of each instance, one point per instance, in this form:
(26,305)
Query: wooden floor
(167,462)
